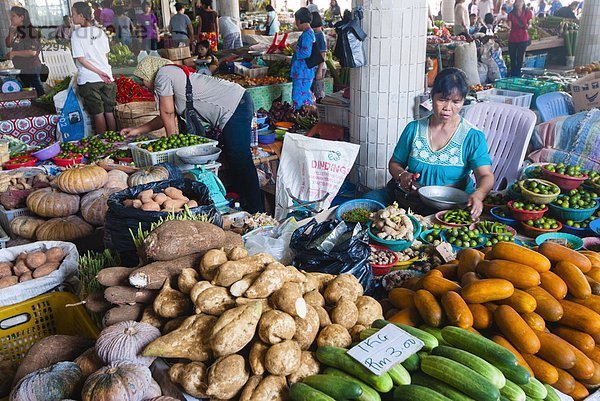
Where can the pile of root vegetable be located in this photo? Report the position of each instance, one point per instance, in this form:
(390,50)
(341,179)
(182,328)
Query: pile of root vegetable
(392,223)
(29,266)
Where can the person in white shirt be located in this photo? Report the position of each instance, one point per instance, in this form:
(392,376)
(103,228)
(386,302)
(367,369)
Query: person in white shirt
(90,48)
(230,32)
(461,18)
(485,7)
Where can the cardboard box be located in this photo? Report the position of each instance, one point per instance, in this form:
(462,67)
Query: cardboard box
(177,62)
(586,92)
(190,62)
(176,53)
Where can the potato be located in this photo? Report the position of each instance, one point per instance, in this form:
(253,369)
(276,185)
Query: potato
(20,268)
(189,341)
(55,254)
(307,328)
(324,319)
(160,198)
(150,317)
(214,301)
(237,253)
(5,269)
(192,204)
(271,388)
(25,277)
(275,326)
(171,303)
(151,207)
(334,335)
(258,350)
(45,269)
(284,358)
(235,329)
(198,288)
(210,261)
(137,203)
(35,260)
(355,332)
(369,310)
(128,202)
(230,272)
(345,313)
(173,193)
(343,286)
(309,365)
(192,377)
(289,299)
(226,377)
(187,280)
(238,288)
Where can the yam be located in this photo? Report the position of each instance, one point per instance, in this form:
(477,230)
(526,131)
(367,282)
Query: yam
(189,341)
(310,284)
(25,277)
(122,313)
(237,253)
(96,303)
(343,286)
(214,301)
(264,302)
(271,388)
(276,326)
(50,350)
(160,198)
(55,254)
(258,350)
(235,328)
(309,365)
(269,281)
(35,259)
(334,335)
(249,388)
(199,288)
(355,332)
(119,295)
(211,261)
(150,317)
(153,275)
(5,269)
(238,288)
(113,276)
(45,269)
(192,377)
(8,281)
(289,299)
(173,325)
(322,278)
(345,313)
(230,272)
(177,238)
(369,310)
(20,267)
(324,319)
(284,358)
(187,280)
(171,303)
(226,377)
(314,298)
(307,328)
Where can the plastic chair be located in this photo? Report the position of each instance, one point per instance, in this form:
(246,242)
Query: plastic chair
(60,64)
(554,104)
(508,130)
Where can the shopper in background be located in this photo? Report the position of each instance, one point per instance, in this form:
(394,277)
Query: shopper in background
(473,8)
(334,10)
(555,6)
(230,32)
(225,105)
(568,12)
(123,27)
(63,33)
(272,22)
(97,11)
(318,86)
(149,26)
(488,29)
(90,48)
(181,27)
(313,8)
(485,7)
(519,21)
(541,11)
(204,53)
(461,18)
(107,15)
(302,76)
(208,27)
(24,39)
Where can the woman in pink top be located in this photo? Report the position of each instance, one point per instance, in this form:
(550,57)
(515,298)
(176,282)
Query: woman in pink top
(107,15)
(519,21)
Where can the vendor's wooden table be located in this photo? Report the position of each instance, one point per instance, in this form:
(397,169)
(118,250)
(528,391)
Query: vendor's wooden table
(18,96)
(546,43)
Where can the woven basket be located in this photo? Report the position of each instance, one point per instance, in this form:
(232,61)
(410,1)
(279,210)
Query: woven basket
(138,113)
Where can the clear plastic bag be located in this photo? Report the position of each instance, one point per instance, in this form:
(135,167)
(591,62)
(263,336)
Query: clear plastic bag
(275,239)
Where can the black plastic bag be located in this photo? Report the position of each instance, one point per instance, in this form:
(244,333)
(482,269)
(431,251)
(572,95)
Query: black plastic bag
(349,48)
(349,256)
(120,219)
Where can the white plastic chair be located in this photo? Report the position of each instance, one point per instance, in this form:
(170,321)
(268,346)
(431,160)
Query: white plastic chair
(508,130)
(60,63)
(554,104)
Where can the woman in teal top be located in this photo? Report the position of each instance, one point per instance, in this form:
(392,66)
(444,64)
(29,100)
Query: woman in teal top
(443,149)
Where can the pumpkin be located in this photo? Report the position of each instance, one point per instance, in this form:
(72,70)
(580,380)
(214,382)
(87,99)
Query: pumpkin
(123,381)
(94,206)
(63,229)
(163,398)
(53,383)
(25,226)
(116,179)
(148,174)
(49,202)
(126,340)
(153,390)
(88,362)
(82,179)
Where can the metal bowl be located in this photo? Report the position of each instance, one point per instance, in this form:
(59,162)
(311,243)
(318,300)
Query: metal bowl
(200,155)
(443,198)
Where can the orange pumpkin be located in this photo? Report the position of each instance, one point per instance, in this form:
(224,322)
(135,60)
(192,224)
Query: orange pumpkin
(82,179)
(63,229)
(49,202)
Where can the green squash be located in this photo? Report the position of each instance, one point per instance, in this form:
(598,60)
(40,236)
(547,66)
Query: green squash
(54,383)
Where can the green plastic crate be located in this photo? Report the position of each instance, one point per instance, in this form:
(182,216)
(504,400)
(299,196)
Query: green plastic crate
(534,86)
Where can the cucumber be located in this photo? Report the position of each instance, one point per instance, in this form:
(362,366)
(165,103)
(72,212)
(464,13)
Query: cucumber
(429,341)
(552,396)
(399,375)
(517,374)
(460,377)
(480,346)
(338,358)
(535,389)
(304,392)
(366,333)
(339,388)
(412,392)
(476,363)
(533,399)
(502,398)
(412,363)
(368,393)
(512,392)
(436,332)
(421,379)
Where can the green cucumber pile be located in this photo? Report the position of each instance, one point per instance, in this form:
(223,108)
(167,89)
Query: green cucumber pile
(453,365)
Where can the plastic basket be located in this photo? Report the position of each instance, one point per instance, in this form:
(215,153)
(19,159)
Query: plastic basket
(259,72)
(338,115)
(535,61)
(533,86)
(24,324)
(516,98)
(6,216)
(369,204)
(143,158)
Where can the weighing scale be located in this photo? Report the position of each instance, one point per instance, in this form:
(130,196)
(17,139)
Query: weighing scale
(9,82)
(213,183)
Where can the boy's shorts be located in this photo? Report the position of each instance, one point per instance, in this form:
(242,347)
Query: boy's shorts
(98,97)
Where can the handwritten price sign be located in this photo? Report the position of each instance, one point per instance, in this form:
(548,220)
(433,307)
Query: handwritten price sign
(386,348)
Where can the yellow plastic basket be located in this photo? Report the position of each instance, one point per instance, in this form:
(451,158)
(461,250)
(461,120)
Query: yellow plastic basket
(24,324)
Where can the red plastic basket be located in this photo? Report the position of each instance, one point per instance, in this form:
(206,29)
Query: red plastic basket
(524,215)
(564,182)
(380,270)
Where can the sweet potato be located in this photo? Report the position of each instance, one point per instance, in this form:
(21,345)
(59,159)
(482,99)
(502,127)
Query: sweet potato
(226,377)
(189,341)
(151,207)
(192,204)
(237,253)
(334,335)
(52,349)
(153,275)
(96,303)
(122,313)
(8,281)
(256,358)
(120,295)
(284,358)
(289,299)
(160,198)
(177,238)
(230,272)
(173,204)
(187,280)
(214,301)
(307,328)
(25,277)
(128,202)
(137,203)
(173,193)
(150,317)
(20,267)
(191,377)
(171,303)
(45,269)
(276,326)
(5,269)
(55,254)
(309,365)
(235,329)
(112,276)
(35,259)
(211,261)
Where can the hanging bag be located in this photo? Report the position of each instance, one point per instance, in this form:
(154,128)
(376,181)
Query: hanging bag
(193,120)
(315,58)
